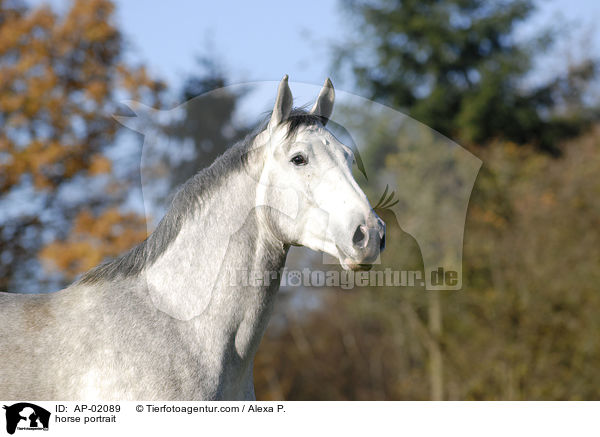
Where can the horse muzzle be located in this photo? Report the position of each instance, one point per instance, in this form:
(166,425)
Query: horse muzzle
(368,241)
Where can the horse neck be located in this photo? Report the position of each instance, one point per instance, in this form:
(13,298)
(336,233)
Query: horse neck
(200,275)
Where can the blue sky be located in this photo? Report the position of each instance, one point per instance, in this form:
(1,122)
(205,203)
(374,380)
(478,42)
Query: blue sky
(255,40)
(263,40)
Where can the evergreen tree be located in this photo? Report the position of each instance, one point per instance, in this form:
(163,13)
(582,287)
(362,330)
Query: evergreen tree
(458,67)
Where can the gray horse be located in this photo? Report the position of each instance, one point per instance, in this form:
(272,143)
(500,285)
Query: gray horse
(172,318)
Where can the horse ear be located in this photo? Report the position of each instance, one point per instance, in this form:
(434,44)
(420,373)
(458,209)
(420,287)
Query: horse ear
(323,107)
(283,103)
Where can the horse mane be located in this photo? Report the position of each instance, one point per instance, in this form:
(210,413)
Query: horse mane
(185,202)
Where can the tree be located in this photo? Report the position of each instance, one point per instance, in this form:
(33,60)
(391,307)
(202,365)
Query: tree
(60,79)
(209,119)
(457,66)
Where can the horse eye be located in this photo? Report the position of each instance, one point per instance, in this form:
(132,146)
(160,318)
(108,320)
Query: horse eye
(299,160)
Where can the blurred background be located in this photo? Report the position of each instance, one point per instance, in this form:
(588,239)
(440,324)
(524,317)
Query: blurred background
(514,82)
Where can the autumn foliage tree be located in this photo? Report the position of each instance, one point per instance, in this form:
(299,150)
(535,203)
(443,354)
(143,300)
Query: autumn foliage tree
(61,76)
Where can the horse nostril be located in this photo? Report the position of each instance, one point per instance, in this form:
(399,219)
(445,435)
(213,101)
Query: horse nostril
(359,236)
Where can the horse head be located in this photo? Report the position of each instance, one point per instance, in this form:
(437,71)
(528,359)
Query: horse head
(304,158)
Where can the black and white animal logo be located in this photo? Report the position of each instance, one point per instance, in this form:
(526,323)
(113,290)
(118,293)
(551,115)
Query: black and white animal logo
(26,416)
